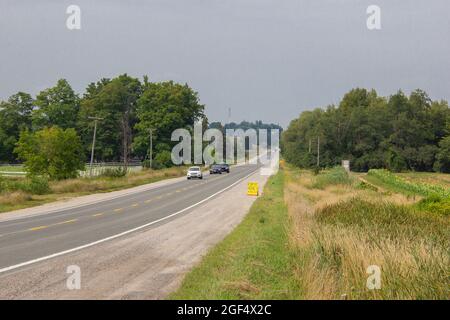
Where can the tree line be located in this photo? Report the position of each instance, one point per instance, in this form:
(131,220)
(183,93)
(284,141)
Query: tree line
(398,132)
(127,106)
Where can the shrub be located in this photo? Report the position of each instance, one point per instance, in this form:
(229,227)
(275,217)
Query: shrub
(164,158)
(117,172)
(336,175)
(36,185)
(32,185)
(52,152)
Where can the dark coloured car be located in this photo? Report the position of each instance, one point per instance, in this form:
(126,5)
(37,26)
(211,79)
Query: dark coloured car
(224,167)
(215,169)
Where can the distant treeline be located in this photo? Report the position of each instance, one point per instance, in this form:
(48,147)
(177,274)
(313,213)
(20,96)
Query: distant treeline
(128,108)
(397,132)
(245,125)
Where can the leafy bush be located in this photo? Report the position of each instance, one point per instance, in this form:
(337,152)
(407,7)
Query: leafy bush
(32,185)
(36,185)
(336,175)
(164,158)
(52,152)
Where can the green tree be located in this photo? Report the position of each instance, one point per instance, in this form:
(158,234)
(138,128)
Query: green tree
(443,156)
(52,152)
(57,106)
(399,133)
(442,163)
(15,116)
(164,107)
(114,101)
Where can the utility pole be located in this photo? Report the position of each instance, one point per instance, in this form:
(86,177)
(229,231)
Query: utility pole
(93,142)
(151,148)
(318,151)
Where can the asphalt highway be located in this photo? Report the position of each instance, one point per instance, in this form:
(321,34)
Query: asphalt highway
(27,240)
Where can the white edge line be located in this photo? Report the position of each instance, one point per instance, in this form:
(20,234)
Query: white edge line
(23,264)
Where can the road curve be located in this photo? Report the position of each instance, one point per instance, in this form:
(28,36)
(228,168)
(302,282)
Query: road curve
(23,241)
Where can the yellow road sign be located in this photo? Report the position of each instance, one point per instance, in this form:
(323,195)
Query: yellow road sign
(252,189)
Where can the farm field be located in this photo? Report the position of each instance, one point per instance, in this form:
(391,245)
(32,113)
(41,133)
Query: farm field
(441,179)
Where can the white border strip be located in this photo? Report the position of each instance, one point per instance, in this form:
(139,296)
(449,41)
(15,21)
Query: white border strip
(123,233)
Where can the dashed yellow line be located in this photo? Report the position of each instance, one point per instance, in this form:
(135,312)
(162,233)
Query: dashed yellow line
(134,205)
(38,228)
(148,201)
(159,197)
(65,222)
(118,210)
(178,191)
(98,214)
(52,225)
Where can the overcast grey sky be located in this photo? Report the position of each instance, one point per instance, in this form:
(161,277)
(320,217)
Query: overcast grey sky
(266,59)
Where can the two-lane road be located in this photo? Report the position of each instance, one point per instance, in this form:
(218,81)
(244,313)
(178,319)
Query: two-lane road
(24,241)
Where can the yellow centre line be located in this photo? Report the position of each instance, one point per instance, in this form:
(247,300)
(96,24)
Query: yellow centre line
(98,214)
(159,197)
(64,222)
(38,228)
(135,205)
(118,210)
(148,201)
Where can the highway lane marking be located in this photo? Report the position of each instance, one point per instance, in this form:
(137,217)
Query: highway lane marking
(134,205)
(53,225)
(148,201)
(26,263)
(159,197)
(98,214)
(65,222)
(38,228)
(118,210)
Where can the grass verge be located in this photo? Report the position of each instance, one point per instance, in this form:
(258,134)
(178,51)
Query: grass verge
(254,261)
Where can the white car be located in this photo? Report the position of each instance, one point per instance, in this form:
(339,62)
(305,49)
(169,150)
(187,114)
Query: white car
(194,172)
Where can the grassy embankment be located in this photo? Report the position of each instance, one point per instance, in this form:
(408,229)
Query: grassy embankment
(18,193)
(313,237)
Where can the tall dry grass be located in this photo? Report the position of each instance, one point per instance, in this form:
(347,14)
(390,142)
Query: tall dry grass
(337,232)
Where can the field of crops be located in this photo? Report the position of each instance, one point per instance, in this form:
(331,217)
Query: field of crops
(420,188)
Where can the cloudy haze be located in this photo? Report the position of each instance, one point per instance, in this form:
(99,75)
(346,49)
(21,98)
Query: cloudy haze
(266,59)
